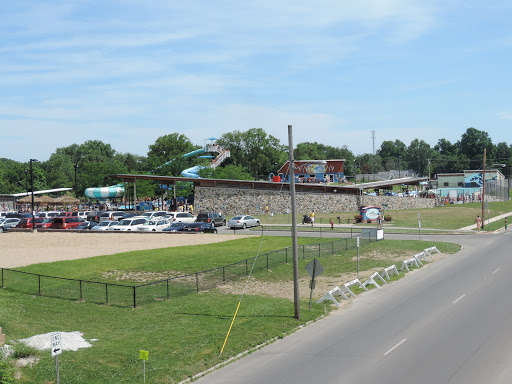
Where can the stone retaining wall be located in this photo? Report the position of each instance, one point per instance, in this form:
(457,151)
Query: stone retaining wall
(233,201)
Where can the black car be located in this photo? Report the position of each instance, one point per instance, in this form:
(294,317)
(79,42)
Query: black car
(176,227)
(86,225)
(201,227)
(211,217)
(93,216)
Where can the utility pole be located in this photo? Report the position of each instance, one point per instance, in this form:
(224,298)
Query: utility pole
(291,170)
(483,191)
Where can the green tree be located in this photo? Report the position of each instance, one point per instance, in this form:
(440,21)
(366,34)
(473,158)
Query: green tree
(254,150)
(229,172)
(472,144)
(418,155)
(165,156)
(393,154)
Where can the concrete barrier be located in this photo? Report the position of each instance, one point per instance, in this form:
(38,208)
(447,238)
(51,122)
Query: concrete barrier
(429,251)
(389,271)
(409,263)
(330,296)
(371,280)
(352,283)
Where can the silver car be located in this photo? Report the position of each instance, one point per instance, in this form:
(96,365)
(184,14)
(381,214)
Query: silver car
(243,222)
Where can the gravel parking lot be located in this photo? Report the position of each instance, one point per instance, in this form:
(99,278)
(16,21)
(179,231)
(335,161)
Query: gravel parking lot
(18,249)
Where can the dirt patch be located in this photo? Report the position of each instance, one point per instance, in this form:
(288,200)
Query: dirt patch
(19,249)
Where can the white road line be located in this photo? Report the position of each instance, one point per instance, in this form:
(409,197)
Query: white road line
(459,298)
(395,347)
(496,271)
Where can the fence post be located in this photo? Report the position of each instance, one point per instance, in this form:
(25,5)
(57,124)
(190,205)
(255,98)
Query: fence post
(80,290)
(197,282)
(332,248)
(134,298)
(167,289)
(106,293)
(303,252)
(286,259)
(223,274)
(319,249)
(39,276)
(2,277)
(246,267)
(267,261)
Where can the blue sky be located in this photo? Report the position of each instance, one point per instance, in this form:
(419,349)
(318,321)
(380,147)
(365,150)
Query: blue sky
(126,72)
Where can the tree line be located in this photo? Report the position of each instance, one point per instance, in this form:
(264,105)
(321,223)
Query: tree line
(254,155)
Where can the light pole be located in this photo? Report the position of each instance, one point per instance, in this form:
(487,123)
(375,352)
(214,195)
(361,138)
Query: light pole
(399,158)
(76,191)
(355,172)
(32,189)
(483,190)
(26,181)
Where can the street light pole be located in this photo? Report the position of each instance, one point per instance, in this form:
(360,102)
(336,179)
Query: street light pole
(32,190)
(76,191)
(291,170)
(355,172)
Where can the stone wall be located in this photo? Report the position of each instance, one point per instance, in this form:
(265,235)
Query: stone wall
(232,201)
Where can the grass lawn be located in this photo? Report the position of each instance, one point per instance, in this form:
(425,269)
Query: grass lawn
(183,335)
(446,217)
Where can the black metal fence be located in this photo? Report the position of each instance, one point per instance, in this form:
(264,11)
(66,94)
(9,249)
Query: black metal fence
(133,295)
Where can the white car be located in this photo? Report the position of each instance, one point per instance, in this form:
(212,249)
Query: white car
(105,226)
(154,225)
(243,221)
(130,224)
(183,217)
(154,215)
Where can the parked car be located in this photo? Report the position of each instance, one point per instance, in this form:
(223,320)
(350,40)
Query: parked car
(211,217)
(65,222)
(93,216)
(18,215)
(176,227)
(47,214)
(85,225)
(46,223)
(129,224)
(114,215)
(105,226)
(9,222)
(154,214)
(65,214)
(154,225)
(243,222)
(81,214)
(27,223)
(183,217)
(201,227)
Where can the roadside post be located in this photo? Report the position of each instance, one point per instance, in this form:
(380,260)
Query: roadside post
(357,240)
(419,226)
(56,349)
(314,269)
(144,355)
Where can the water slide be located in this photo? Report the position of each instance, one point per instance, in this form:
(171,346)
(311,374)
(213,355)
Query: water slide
(114,191)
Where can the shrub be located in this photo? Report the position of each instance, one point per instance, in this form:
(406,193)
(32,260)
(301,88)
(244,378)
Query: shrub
(358,218)
(6,373)
(21,350)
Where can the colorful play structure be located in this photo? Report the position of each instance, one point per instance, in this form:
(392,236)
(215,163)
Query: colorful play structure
(330,171)
(211,150)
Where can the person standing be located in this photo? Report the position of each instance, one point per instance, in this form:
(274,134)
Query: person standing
(332,224)
(312,217)
(478,222)
(506,224)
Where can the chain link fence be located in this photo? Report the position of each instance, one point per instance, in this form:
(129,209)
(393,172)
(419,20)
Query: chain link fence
(133,295)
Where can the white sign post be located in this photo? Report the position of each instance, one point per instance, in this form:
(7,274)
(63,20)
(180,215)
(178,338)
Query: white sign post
(56,349)
(419,226)
(357,257)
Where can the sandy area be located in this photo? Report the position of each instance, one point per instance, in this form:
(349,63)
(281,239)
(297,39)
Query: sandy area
(18,249)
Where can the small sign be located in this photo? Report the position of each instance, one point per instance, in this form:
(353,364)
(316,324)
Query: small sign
(144,355)
(56,344)
(314,268)
(357,238)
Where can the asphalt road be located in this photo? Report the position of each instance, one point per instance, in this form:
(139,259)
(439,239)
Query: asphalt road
(449,322)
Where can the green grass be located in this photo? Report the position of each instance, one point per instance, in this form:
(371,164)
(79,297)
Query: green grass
(446,217)
(183,335)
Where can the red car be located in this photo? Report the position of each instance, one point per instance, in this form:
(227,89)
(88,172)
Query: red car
(65,222)
(47,221)
(27,223)
(65,214)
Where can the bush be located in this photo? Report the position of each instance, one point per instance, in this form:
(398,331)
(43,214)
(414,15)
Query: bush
(21,350)
(358,218)
(6,373)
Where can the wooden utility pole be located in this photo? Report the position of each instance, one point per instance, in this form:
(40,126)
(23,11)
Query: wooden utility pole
(483,191)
